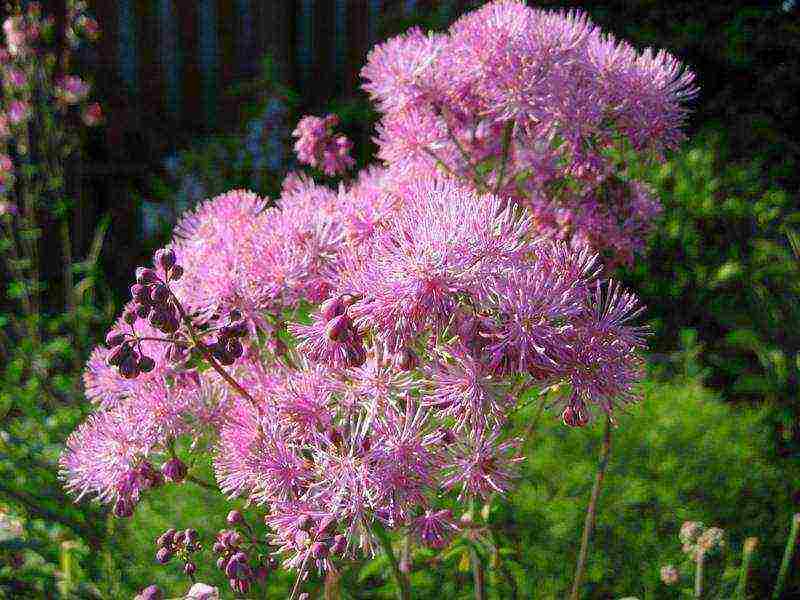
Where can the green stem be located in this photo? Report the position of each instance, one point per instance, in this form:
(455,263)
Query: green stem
(698,575)
(588,524)
(506,146)
(403,588)
(478,569)
(747,554)
(788,553)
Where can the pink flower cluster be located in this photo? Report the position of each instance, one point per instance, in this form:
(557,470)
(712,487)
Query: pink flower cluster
(317,145)
(435,300)
(545,94)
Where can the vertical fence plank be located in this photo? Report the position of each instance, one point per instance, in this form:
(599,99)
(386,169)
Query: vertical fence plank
(169,56)
(304,47)
(208,45)
(126,48)
(227,107)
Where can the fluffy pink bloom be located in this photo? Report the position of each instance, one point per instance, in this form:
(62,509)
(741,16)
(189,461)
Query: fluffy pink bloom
(14,78)
(6,168)
(434,528)
(444,241)
(16,42)
(317,145)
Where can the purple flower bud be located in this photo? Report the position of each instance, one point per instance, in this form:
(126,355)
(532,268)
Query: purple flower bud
(174,470)
(123,508)
(180,537)
(159,294)
(332,307)
(239,557)
(151,592)
(240,586)
(166,538)
(146,276)
(319,550)
(304,596)
(234,348)
(114,338)
(232,568)
(234,517)
(339,544)
(574,417)
(338,328)
(233,539)
(118,354)
(146,364)
(189,568)
(218,547)
(176,272)
(165,258)
(222,563)
(141,293)
(163,556)
(192,536)
(129,367)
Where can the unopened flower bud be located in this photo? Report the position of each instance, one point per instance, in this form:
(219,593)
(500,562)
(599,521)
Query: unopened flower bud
(192,536)
(163,556)
(319,550)
(222,563)
(146,364)
(165,258)
(332,307)
(174,470)
(146,276)
(123,508)
(189,568)
(151,592)
(166,538)
(129,367)
(234,517)
(176,272)
(140,293)
(114,338)
(118,354)
(338,328)
(159,294)
(339,544)
(234,348)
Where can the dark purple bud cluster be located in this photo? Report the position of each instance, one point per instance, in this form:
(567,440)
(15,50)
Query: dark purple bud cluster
(340,328)
(228,346)
(233,559)
(180,544)
(174,470)
(152,300)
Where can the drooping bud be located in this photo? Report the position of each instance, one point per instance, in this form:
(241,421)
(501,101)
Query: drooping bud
(146,364)
(146,276)
(174,470)
(319,550)
(114,338)
(166,538)
(234,517)
(165,258)
(123,508)
(332,307)
(129,367)
(190,568)
(176,272)
(338,328)
(163,556)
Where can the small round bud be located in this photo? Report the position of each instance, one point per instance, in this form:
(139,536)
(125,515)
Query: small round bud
(339,544)
(118,354)
(180,537)
(232,568)
(151,592)
(234,517)
(146,364)
(218,547)
(141,293)
(129,367)
(174,470)
(319,550)
(166,538)
(234,348)
(304,596)
(165,258)
(146,276)
(222,563)
(192,536)
(332,307)
(176,272)
(234,538)
(114,338)
(163,556)
(239,557)
(190,568)
(338,328)
(123,508)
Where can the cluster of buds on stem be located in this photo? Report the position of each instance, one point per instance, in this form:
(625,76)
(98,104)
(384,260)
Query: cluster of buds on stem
(236,558)
(228,347)
(180,544)
(339,328)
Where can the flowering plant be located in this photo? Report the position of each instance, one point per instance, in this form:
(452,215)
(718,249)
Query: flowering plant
(348,357)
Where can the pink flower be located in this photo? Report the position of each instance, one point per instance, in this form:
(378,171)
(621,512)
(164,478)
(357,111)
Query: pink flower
(434,528)
(72,89)
(15,78)
(6,168)
(317,146)
(16,41)
(19,111)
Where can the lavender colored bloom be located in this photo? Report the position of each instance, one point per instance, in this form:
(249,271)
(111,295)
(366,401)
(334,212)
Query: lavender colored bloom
(434,528)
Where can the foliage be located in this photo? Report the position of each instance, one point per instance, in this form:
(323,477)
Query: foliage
(722,254)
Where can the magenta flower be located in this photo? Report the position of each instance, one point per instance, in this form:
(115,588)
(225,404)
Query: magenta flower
(19,111)
(434,528)
(317,145)
(72,89)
